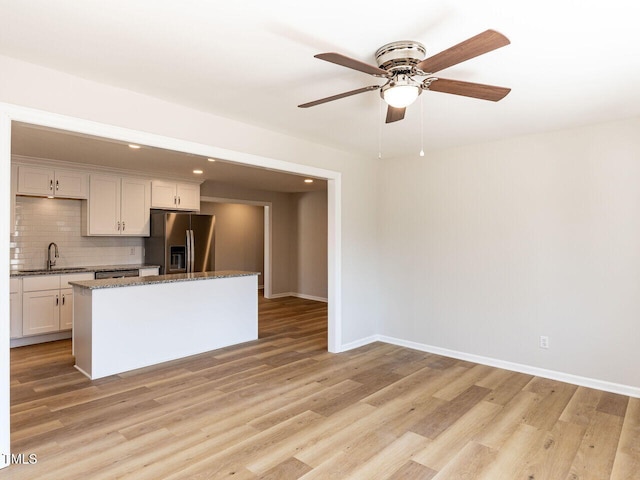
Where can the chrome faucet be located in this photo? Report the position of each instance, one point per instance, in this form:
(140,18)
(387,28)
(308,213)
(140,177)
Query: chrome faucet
(51,262)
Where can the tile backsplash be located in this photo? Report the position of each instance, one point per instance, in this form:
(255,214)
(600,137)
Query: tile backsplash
(40,221)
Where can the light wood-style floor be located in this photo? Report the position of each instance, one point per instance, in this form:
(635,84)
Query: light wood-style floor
(283,408)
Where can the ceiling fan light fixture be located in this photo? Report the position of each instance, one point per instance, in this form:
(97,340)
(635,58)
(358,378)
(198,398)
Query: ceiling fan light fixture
(400,92)
(401,96)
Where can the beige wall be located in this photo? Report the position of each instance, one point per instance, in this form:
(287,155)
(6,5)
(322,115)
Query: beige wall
(311,243)
(485,248)
(239,236)
(281,215)
(298,238)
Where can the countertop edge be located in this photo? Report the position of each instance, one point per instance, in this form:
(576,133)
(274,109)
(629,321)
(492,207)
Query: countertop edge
(83,269)
(159,279)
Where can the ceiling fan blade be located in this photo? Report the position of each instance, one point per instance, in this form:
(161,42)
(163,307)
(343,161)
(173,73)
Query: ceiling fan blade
(348,62)
(394,114)
(468,89)
(470,48)
(340,95)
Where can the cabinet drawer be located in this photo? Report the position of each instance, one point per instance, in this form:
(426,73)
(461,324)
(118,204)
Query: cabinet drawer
(41,282)
(14,285)
(74,277)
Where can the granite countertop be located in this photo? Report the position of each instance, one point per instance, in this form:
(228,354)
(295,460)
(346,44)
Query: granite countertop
(156,279)
(86,269)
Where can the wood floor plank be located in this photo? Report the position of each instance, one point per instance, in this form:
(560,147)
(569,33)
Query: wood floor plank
(284,407)
(513,454)
(390,459)
(508,419)
(467,463)
(442,450)
(413,471)
(290,469)
(552,457)
(627,460)
(597,451)
(447,414)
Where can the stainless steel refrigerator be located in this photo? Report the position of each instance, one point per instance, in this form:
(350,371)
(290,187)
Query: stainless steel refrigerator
(181,242)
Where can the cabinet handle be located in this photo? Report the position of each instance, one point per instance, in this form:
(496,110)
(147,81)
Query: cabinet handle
(57,185)
(175,199)
(51,185)
(123,226)
(178,199)
(63,299)
(57,301)
(118,226)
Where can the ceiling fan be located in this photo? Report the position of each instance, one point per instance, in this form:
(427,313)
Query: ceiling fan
(408,73)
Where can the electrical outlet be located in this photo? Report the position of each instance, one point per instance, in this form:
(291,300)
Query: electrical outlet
(544,341)
(132,251)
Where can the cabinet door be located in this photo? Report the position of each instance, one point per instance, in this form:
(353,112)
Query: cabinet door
(70,184)
(104,205)
(134,208)
(35,180)
(188,196)
(66,309)
(163,194)
(15,308)
(40,312)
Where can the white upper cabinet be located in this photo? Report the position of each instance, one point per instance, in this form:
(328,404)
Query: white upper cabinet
(43,181)
(118,206)
(175,195)
(135,205)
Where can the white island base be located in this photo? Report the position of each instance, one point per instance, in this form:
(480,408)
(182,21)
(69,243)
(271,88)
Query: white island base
(137,324)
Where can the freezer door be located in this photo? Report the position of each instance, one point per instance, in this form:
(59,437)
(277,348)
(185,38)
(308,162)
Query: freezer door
(176,240)
(203,241)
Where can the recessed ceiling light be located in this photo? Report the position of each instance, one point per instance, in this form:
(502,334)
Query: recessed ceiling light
(198,172)
(135,147)
(211,159)
(308,180)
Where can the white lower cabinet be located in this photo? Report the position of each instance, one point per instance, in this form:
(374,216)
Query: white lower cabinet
(15,307)
(47,303)
(66,308)
(40,312)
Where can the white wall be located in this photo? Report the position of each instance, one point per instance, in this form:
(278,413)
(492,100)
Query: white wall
(487,247)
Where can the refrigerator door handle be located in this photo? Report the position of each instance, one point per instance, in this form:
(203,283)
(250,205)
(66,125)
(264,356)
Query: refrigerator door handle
(193,251)
(187,267)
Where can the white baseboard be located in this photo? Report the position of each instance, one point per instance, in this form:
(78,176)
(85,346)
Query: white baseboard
(360,343)
(299,295)
(32,340)
(493,362)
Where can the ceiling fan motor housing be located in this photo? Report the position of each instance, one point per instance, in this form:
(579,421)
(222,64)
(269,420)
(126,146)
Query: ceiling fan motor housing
(402,56)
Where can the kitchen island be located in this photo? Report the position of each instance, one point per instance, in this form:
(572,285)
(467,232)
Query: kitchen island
(127,323)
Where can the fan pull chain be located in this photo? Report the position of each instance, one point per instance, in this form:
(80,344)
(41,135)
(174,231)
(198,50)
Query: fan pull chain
(380,129)
(421,126)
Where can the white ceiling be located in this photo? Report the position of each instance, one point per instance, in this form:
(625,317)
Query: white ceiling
(570,62)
